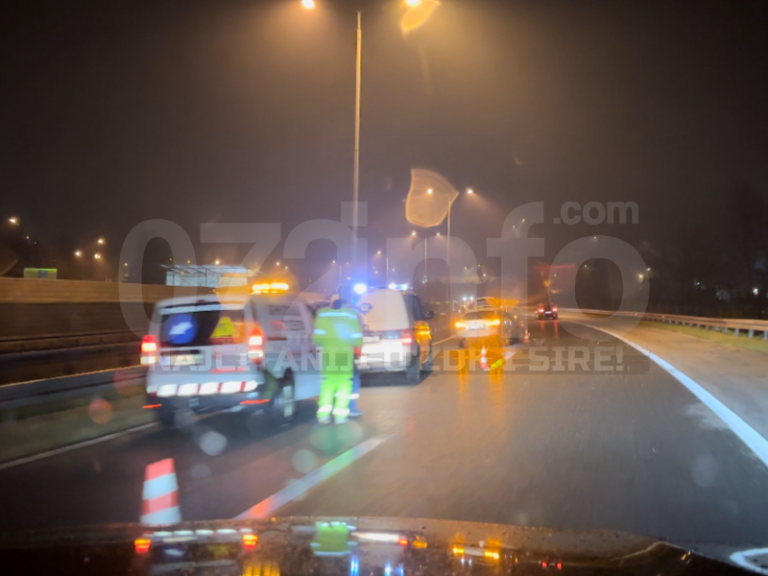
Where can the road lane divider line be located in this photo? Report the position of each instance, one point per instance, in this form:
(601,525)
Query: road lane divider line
(751,437)
(70,447)
(742,558)
(443,340)
(267,507)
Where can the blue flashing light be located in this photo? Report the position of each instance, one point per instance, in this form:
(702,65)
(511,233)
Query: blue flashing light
(360,288)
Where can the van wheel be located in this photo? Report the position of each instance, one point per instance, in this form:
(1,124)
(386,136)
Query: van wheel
(166,416)
(413,371)
(282,408)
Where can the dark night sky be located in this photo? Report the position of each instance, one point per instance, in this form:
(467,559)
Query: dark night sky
(114,112)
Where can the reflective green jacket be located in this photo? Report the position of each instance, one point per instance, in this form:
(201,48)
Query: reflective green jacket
(338,329)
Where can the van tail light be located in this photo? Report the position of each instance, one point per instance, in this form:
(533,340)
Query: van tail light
(250,541)
(149,350)
(406,337)
(256,345)
(142,545)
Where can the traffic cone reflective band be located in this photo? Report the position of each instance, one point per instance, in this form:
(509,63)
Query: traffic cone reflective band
(161,494)
(483,359)
(527,336)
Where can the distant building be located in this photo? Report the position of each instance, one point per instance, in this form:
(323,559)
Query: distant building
(207,276)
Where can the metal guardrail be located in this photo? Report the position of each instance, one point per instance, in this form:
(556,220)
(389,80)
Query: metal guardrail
(36,391)
(53,389)
(59,342)
(733,326)
(101,353)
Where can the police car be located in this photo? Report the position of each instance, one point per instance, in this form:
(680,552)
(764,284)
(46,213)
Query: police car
(231,352)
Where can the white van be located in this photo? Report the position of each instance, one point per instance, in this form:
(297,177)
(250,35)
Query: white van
(236,353)
(396,336)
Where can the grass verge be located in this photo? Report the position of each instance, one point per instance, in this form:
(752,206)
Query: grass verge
(742,341)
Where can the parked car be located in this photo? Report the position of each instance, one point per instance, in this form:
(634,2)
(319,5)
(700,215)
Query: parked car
(488,322)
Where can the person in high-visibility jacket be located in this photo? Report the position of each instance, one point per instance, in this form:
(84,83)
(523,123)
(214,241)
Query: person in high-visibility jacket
(339,335)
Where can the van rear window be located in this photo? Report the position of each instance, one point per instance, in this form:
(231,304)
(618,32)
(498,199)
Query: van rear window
(205,325)
(481,315)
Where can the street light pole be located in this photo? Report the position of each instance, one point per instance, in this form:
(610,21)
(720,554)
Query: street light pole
(448,261)
(356,165)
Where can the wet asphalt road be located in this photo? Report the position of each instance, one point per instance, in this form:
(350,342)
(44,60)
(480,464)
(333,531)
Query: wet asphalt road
(543,443)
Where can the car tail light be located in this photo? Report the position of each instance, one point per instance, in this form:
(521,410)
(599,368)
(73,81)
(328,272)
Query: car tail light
(544,564)
(554,308)
(256,345)
(142,545)
(541,309)
(250,541)
(149,349)
(406,337)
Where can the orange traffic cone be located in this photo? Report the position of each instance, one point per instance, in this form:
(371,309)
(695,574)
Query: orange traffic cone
(483,359)
(161,494)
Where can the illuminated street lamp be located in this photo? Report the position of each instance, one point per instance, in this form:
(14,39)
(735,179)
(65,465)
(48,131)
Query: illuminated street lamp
(308,4)
(13,220)
(430,191)
(470,191)
(97,256)
(217,262)
(78,253)
(413,3)
(100,241)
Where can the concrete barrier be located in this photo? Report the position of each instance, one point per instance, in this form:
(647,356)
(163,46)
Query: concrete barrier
(37,308)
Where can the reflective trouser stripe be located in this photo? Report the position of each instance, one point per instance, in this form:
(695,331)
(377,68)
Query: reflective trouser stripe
(335,391)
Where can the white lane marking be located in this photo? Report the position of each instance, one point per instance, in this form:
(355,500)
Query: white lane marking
(443,340)
(744,431)
(64,449)
(740,558)
(267,507)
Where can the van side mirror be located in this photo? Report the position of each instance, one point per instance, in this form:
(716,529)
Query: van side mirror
(429,314)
